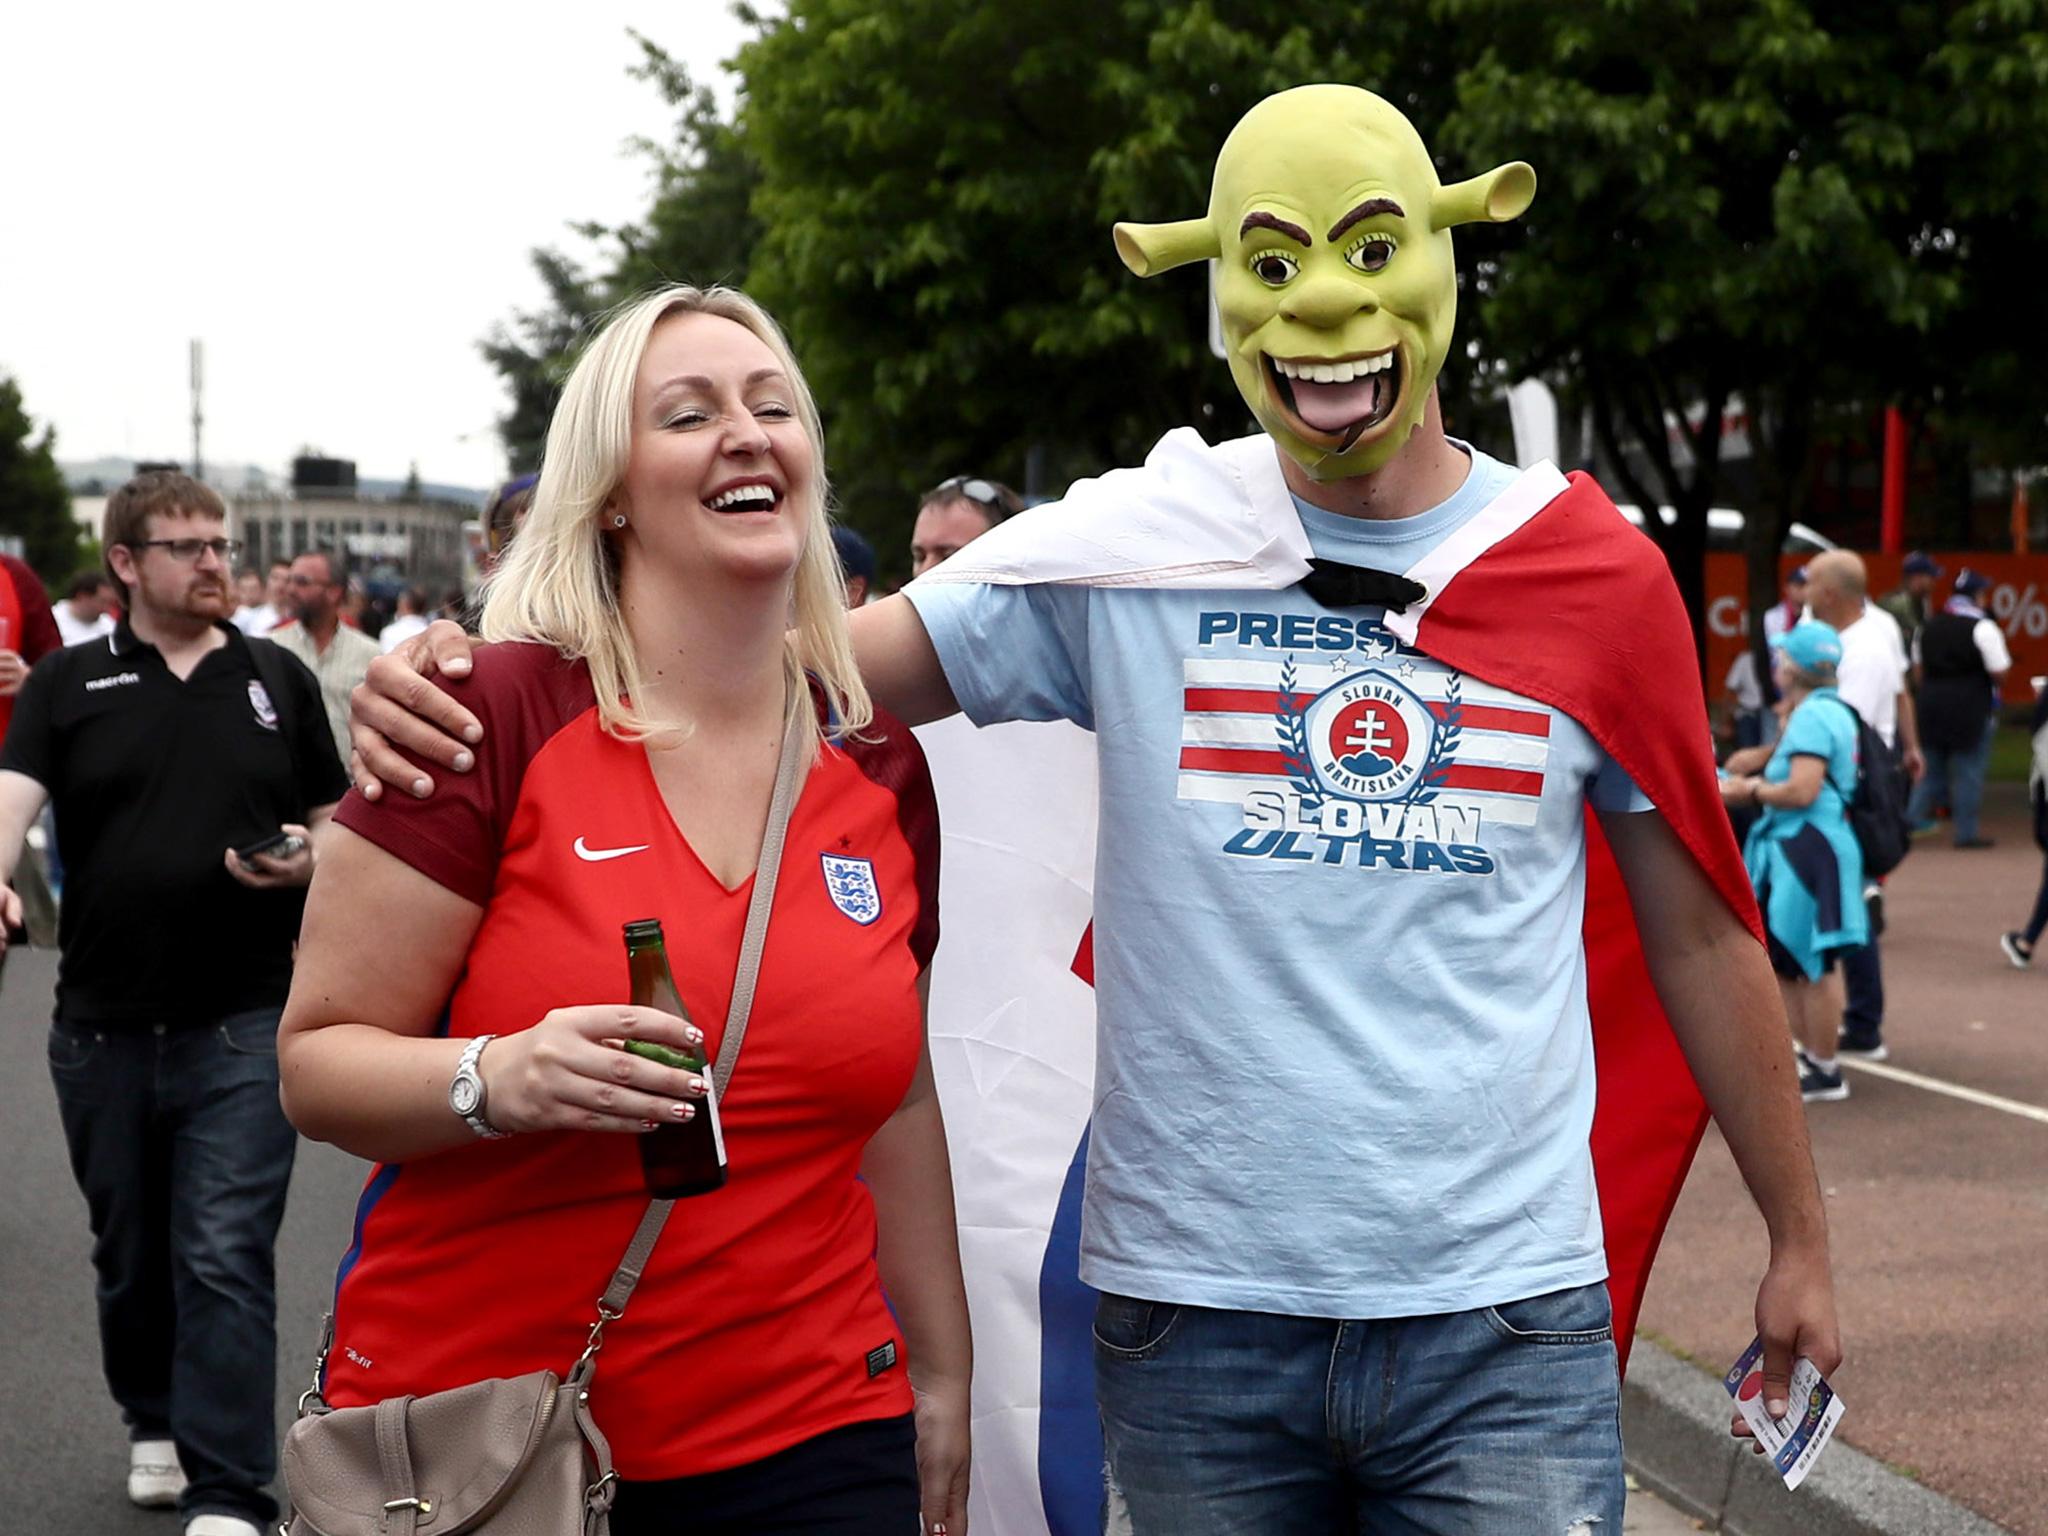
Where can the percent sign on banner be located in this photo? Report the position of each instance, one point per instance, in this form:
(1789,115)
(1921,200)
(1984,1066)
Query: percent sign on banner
(2018,601)
(2022,613)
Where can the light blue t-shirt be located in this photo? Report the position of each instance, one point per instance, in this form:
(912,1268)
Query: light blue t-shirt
(1344,1064)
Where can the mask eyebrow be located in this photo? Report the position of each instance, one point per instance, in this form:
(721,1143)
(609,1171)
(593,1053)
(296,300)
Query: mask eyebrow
(1365,210)
(1273,221)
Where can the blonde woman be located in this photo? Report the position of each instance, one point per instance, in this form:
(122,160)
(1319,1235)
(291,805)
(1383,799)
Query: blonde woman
(635,699)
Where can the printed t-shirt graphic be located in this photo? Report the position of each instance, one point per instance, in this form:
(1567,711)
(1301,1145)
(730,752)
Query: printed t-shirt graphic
(753,1327)
(1344,1063)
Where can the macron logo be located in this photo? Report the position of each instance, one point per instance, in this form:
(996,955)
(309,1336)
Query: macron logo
(598,855)
(118,680)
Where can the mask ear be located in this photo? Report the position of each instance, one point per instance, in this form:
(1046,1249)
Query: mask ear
(1149,249)
(1501,194)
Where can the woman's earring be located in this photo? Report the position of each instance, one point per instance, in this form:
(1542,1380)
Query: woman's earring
(618,519)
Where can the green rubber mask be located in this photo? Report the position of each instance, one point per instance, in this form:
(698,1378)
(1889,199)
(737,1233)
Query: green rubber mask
(1335,280)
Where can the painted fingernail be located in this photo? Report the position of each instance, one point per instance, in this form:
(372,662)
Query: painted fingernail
(464,761)
(420,788)
(456,664)
(682,1111)
(472,734)
(649,1125)
(697,1085)
(372,789)
(694,1035)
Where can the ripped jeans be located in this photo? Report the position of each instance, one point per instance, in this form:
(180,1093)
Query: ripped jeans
(1502,1421)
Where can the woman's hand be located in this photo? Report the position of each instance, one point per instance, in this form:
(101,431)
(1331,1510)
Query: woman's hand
(942,1444)
(568,1073)
(397,707)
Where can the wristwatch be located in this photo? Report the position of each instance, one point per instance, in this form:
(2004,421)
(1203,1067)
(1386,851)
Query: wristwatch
(466,1091)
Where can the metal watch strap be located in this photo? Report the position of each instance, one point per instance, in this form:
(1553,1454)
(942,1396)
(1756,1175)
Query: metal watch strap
(478,1119)
(766,870)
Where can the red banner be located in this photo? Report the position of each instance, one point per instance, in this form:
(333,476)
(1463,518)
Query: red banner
(2018,600)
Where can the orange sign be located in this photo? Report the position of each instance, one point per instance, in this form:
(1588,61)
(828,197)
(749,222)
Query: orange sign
(2018,600)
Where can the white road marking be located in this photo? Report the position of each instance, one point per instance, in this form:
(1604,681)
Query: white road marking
(1953,1090)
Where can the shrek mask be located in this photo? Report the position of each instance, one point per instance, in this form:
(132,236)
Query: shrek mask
(1335,281)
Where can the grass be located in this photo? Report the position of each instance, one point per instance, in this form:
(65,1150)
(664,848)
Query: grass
(2012,749)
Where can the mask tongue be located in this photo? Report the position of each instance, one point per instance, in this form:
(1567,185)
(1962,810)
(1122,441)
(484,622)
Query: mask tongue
(1333,407)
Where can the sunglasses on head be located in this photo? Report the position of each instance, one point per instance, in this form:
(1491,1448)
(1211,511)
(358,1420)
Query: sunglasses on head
(975,489)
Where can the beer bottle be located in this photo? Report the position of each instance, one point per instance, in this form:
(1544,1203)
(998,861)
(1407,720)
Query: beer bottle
(677,1158)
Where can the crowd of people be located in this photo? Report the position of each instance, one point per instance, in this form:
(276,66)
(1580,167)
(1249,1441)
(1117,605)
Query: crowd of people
(1343,1184)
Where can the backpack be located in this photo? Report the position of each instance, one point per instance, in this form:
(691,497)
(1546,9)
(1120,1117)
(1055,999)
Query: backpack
(1877,809)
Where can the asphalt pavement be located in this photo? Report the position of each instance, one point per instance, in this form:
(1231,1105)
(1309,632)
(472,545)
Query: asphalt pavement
(1935,1175)
(63,1450)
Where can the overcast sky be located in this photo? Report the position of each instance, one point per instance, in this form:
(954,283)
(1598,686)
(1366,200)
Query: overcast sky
(338,203)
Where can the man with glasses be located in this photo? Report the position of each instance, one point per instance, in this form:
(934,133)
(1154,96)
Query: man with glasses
(954,514)
(165,747)
(338,654)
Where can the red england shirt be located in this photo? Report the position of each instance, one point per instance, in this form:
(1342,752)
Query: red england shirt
(760,1321)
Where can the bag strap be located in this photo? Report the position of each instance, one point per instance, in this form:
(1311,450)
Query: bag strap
(613,1303)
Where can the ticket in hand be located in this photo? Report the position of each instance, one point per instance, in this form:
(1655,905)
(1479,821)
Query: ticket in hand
(1793,1443)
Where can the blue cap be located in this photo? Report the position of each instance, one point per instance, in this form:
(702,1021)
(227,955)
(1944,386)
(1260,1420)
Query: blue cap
(1922,564)
(1969,582)
(856,554)
(1797,575)
(1810,645)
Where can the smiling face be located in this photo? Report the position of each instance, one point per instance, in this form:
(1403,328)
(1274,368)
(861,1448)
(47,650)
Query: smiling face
(1337,297)
(720,466)
(1335,280)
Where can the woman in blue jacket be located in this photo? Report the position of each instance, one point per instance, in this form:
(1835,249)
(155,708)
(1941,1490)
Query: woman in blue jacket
(1802,853)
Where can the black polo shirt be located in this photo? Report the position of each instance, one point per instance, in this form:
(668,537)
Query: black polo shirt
(153,780)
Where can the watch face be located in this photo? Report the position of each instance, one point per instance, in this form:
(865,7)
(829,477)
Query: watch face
(464,1094)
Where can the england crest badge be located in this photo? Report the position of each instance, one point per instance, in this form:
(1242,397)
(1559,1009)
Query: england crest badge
(851,885)
(259,700)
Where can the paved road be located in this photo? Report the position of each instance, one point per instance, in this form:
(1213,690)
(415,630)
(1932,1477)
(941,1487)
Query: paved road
(1938,1205)
(63,1461)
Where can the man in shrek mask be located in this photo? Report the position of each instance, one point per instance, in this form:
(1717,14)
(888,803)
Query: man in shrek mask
(1407,812)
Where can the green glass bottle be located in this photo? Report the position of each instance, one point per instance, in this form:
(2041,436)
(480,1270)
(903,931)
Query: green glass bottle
(677,1158)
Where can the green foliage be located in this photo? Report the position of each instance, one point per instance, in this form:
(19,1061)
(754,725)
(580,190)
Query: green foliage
(35,504)
(1815,207)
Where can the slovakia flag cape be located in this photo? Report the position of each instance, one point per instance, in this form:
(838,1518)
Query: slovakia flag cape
(1547,592)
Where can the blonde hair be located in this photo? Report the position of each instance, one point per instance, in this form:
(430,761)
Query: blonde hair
(558,584)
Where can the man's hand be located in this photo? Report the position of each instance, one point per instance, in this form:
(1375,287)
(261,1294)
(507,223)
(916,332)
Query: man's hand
(395,706)
(1795,1316)
(268,872)
(1914,764)
(13,673)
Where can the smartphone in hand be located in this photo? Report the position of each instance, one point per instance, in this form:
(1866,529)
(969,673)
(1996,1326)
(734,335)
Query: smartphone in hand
(279,845)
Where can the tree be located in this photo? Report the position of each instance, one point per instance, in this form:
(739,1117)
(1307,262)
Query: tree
(699,229)
(35,504)
(1769,202)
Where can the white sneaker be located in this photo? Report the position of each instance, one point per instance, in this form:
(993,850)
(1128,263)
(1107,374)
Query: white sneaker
(221,1525)
(154,1477)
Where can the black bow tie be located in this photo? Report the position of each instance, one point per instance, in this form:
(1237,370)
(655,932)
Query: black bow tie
(1336,585)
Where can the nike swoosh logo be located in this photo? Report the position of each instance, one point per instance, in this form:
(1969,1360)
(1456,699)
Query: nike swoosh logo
(599,855)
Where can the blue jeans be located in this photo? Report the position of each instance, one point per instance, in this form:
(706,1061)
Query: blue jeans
(183,1155)
(1503,1421)
(1956,779)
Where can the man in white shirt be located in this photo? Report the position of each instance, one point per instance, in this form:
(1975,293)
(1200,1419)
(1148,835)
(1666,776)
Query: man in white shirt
(86,613)
(262,617)
(1871,679)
